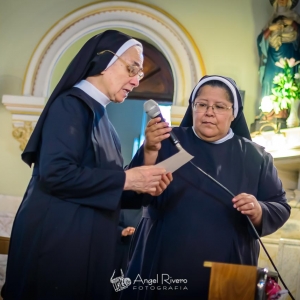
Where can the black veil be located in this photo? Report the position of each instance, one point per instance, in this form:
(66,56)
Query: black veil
(85,63)
(238,125)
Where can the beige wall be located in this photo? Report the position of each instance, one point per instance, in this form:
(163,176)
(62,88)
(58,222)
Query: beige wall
(224,30)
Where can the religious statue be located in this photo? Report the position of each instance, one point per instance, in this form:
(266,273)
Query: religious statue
(280,38)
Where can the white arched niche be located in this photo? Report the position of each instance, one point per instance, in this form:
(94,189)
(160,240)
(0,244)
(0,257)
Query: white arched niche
(169,37)
(164,33)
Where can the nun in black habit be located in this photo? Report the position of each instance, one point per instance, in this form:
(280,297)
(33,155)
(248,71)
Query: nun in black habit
(195,220)
(64,234)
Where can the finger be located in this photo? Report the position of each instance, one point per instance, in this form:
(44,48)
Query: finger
(158,191)
(247,206)
(153,121)
(243,199)
(155,178)
(242,202)
(155,183)
(150,190)
(156,138)
(152,185)
(155,125)
(249,212)
(239,197)
(170,176)
(155,171)
(167,178)
(165,181)
(162,186)
(160,128)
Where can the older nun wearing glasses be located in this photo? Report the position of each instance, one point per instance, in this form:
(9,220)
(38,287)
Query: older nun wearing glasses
(64,235)
(196,220)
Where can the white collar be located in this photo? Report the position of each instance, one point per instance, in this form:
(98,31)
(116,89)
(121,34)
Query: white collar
(93,92)
(228,136)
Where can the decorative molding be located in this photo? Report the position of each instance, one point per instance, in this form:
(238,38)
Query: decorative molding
(23,133)
(25,113)
(167,34)
(24,104)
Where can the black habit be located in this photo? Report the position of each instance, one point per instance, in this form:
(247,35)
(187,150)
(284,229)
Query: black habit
(64,235)
(194,220)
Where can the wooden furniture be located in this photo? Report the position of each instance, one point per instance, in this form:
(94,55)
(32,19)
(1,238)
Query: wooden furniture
(4,244)
(229,281)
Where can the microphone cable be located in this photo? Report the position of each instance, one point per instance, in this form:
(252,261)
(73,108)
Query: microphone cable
(251,225)
(152,109)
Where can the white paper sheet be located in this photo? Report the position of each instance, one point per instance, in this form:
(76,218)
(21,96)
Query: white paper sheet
(174,162)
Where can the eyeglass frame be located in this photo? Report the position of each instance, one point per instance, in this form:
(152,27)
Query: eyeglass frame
(140,72)
(212,107)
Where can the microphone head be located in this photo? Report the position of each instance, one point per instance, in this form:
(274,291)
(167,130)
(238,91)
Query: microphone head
(151,108)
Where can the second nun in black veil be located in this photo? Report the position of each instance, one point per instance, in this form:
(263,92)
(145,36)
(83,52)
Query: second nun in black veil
(194,219)
(64,234)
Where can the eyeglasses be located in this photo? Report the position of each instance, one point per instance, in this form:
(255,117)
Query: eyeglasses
(219,108)
(132,69)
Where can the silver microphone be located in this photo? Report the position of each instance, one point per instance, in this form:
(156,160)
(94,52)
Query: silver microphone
(152,109)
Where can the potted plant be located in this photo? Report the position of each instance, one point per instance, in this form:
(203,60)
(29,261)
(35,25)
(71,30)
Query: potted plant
(286,92)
